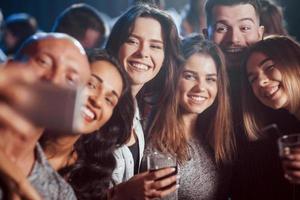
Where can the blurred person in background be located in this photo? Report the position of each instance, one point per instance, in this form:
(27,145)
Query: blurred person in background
(84,23)
(16,29)
(271,17)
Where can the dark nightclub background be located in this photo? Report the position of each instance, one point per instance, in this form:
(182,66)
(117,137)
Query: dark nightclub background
(45,11)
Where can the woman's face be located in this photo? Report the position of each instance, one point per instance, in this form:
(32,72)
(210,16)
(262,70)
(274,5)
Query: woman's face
(198,84)
(142,54)
(266,81)
(101,94)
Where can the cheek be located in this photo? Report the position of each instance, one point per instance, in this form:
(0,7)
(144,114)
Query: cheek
(218,38)
(158,59)
(276,75)
(255,90)
(213,91)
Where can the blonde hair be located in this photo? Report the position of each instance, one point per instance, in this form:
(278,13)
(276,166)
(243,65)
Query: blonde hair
(285,53)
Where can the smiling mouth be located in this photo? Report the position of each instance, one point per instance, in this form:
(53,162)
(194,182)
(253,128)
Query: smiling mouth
(87,114)
(197,99)
(138,66)
(271,91)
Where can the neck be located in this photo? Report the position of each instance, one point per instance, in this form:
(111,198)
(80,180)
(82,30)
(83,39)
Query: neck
(135,89)
(58,150)
(21,150)
(189,121)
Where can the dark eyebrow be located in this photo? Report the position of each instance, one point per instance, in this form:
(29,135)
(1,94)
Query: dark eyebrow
(152,40)
(264,61)
(260,65)
(101,81)
(213,74)
(240,20)
(190,71)
(247,19)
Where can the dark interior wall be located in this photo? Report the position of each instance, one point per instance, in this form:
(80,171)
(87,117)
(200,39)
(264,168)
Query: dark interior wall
(46,10)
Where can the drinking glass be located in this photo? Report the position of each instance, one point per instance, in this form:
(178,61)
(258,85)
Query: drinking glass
(286,144)
(157,160)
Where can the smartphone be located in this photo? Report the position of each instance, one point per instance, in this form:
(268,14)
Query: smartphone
(48,106)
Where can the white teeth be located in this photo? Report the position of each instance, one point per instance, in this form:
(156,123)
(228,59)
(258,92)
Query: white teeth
(197,98)
(88,112)
(233,50)
(271,91)
(140,66)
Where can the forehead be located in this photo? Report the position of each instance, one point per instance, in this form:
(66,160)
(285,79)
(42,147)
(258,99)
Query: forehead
(234,14)
(201,63)
(147,27)
(109,74)
(255,59)
(56,46)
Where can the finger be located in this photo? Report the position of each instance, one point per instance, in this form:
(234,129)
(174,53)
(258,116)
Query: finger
(161,173)
(291,164)
(11,120)
(165,192)
(13,72)
(292,179)
(164,182)
(27,191)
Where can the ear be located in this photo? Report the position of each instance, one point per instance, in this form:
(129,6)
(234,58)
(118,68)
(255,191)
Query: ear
(261,30)
(205,32)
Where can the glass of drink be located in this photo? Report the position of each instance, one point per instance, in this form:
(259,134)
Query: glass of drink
(157,160)
(289,144)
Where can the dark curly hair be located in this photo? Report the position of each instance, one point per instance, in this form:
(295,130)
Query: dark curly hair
(92,173)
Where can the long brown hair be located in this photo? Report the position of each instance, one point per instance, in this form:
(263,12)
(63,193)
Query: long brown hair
(285,53)
(167,132)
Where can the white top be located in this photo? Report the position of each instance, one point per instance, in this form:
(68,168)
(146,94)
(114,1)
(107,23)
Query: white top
(125,165)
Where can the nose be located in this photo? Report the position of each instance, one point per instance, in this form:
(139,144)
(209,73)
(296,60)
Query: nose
(199,86)
(263,80)
(144,50)
(96,99)
(234,36)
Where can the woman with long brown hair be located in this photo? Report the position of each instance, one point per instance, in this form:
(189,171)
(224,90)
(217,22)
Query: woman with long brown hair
(196,126)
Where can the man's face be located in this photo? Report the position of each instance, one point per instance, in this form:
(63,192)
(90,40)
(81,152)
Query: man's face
(58,60)
(234,28)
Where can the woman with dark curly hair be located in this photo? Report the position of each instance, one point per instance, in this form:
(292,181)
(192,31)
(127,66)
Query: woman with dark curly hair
(86,160)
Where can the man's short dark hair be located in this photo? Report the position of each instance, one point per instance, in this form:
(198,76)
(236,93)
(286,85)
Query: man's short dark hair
(210,4)
(78,18)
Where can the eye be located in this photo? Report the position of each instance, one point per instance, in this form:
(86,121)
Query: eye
(91,85)
(211,79)
(189,76)
(252,79)
(44,61)
(270,68)
(72,80)
(221,28)
(156,46)
(109,101)
(132,41)
(245,28)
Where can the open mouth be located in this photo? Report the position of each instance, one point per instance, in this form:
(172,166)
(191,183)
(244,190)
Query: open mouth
(88,114)
(137,66)
(197,99)
(271,91)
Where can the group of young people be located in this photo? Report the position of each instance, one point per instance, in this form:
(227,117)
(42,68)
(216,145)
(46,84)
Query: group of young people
(203,99)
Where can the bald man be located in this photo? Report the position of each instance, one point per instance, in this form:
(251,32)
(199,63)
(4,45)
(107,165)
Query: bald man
(58,59)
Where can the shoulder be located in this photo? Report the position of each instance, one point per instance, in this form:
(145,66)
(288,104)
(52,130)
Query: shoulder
(47,181)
